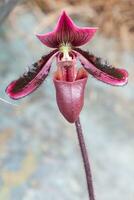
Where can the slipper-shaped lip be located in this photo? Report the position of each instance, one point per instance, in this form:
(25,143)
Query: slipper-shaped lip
(70,97)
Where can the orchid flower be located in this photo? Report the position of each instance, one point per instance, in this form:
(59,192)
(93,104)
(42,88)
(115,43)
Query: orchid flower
(69,80)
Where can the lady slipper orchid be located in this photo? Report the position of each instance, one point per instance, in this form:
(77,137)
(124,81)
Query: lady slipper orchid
(69,81)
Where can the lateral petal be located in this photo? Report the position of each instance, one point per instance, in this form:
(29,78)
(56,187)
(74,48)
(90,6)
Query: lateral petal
(31,80)
(101,70)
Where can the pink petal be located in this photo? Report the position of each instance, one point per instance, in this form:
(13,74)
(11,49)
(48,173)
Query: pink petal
(102,70)
(66,31)
(32,79)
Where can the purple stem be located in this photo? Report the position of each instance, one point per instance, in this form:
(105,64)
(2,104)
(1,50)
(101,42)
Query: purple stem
(85,160)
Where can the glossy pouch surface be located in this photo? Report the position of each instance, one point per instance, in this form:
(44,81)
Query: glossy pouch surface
(70,97)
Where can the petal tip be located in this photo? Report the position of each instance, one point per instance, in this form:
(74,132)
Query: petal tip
(95,29)
(64,19)
(40,37)
(9,92)
(64,14)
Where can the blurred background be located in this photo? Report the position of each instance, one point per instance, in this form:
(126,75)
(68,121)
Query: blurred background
(39,152)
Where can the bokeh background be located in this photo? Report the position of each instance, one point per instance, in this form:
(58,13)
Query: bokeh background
(39,152)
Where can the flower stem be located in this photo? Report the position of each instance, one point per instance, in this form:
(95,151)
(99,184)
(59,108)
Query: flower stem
(85,160)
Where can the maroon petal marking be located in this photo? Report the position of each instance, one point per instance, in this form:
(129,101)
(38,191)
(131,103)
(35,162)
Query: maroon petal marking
(70,97)
(66,31)
(101,70)
(31,80)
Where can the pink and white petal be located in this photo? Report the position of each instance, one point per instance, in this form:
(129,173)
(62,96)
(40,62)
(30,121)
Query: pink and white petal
(102,70)
(31,80)
(66,31)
